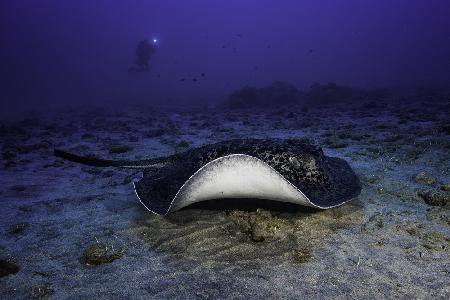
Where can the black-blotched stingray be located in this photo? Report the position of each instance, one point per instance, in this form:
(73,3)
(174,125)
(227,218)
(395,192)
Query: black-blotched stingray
(273,169)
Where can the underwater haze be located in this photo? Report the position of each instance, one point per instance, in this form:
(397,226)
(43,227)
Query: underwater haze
(66,52)
(205,149)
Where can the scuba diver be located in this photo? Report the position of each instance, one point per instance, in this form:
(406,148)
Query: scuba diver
(144,52)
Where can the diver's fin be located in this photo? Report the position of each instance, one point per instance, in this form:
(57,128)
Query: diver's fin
(96,162)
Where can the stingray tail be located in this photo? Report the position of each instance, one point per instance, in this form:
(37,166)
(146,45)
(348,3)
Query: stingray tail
(96,162)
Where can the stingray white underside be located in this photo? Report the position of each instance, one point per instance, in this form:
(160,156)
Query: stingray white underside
(237,176)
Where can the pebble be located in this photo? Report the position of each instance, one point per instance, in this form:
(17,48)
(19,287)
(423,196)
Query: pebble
(302,255)
(425,178)
(39,292)
(8,268)
(446,187)
(435,198)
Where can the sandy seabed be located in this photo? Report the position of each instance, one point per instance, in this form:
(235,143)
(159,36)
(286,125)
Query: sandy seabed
(69,231)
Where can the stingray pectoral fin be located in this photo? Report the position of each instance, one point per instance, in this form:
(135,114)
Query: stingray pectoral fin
(232,176)
(151,201)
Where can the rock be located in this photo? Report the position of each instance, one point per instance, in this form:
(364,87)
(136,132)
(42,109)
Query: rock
(425,178)
(372,179)
(98,254)
(259,225)
(446,187)
(435,198)
(18,228)
(8,268)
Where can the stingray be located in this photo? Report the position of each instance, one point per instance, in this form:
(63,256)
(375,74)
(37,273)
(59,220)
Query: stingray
(292,171)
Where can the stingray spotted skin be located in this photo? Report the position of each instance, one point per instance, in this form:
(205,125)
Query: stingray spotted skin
(283,170)
(320,181)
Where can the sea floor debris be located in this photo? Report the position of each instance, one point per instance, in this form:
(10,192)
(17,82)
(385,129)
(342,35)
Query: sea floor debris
(99,253)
